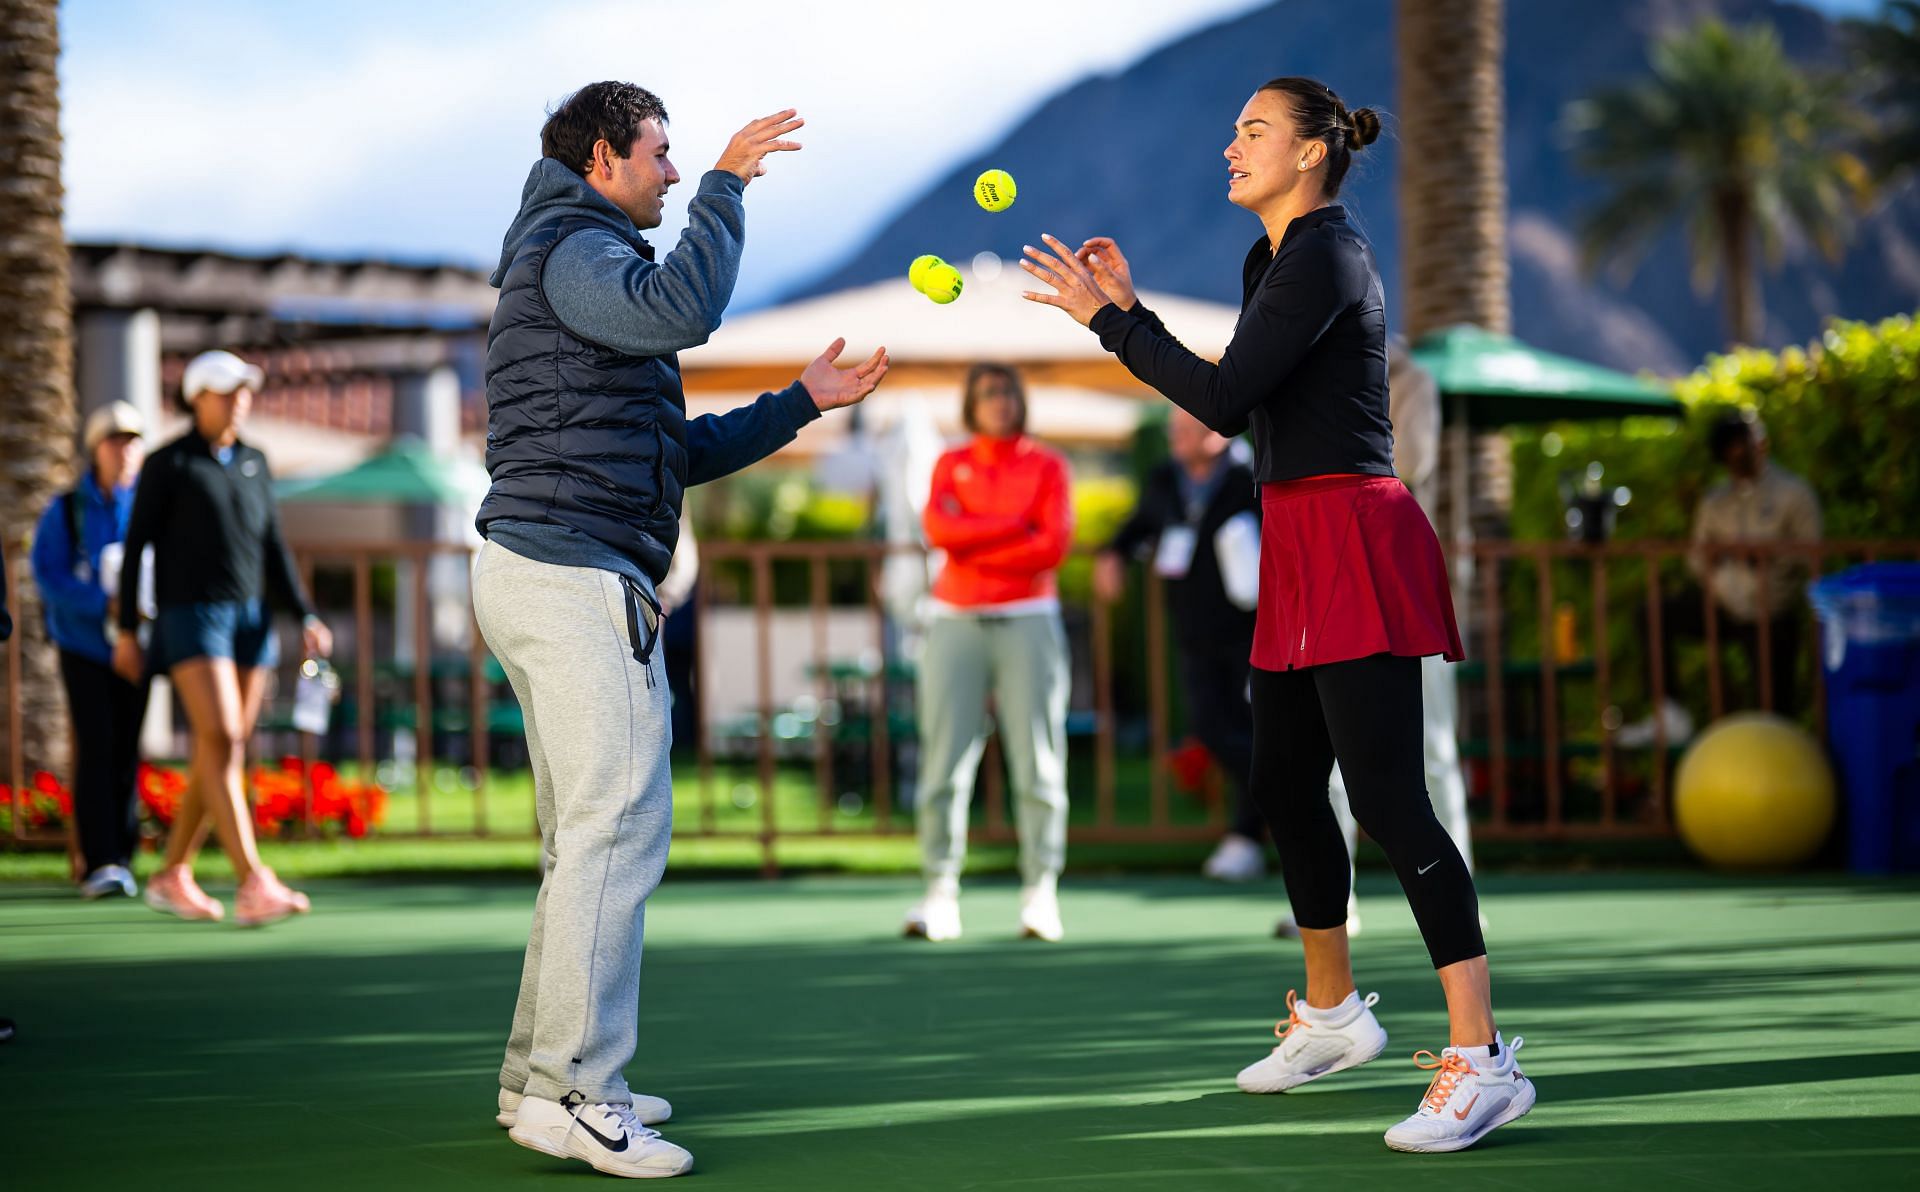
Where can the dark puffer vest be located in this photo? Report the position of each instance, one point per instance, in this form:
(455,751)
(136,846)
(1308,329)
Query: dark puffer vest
(579,435)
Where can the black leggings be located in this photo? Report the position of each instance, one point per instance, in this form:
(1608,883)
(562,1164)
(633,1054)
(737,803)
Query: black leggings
(107,711)
(1366,713)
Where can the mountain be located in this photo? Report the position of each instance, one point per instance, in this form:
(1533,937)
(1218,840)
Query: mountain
(1137,156)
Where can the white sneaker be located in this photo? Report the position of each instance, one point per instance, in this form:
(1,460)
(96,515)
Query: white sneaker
(650,1110)
(1467,1100)
(1641,733)
(1288,929)
(937,916)
(108,881)
(1040,914)
(608,1137)
(1236,859)
(1311,1047)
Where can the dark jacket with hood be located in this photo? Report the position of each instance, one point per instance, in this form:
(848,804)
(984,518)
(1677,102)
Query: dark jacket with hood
(588,442)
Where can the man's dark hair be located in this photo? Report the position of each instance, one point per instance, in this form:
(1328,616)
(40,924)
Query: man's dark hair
(1731,428)
(609,112)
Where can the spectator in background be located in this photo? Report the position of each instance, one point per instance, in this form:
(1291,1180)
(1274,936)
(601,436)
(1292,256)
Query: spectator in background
(1758,503)
(1000,508)
(205,504)
(77,564)
(1199,517)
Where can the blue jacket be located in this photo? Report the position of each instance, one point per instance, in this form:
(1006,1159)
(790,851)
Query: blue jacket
(588,442)
(70,583)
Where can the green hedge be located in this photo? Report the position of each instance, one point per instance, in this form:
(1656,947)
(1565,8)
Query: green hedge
(1843,412)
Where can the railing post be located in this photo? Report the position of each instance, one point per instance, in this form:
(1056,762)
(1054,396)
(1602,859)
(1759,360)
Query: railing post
(1549,685)
(822,689)
(1710,613)
(1157,697)
(363,664)
(701,691)
(16,736)
(1490,620)
(480,735)
(763,640)
(1103,762)
(422,689)
(1603,684)
(881,724)
(1657,671)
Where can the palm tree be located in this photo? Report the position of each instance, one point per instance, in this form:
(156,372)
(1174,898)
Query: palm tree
(1889,48)
(1729,138)
(1453,176)
(36,372)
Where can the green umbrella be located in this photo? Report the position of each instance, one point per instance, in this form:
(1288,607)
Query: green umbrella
(1501,381)
(406,473)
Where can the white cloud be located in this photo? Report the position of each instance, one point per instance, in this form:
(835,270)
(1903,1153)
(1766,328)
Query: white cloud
(410,135)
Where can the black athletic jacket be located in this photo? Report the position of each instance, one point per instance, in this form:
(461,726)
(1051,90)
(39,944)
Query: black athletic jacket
(1307,367)
(214,528)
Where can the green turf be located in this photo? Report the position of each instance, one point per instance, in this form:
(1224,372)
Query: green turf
(1684,1031)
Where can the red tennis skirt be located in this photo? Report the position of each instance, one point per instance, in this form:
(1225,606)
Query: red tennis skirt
(1349,568)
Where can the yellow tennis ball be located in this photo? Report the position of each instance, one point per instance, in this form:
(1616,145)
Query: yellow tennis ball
(994,190)
(917,272)
(942,283)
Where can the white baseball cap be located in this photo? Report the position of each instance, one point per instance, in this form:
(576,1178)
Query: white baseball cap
(116,418)
(219,372)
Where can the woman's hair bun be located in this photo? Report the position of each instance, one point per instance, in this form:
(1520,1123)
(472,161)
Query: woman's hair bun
(1366,126)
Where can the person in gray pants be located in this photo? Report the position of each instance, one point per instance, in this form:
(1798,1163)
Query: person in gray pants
(590,450)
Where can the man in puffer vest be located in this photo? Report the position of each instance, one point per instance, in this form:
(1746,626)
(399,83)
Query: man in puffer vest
(590,449)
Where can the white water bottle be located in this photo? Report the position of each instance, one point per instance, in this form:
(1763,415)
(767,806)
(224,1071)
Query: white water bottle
(313,696)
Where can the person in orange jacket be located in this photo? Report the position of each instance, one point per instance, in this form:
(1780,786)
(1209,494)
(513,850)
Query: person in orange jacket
(999,508)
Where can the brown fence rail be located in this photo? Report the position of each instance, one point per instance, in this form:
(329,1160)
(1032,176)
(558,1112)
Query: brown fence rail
(1541,700)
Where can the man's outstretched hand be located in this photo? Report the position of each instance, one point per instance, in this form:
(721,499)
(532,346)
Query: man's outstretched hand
(832,387)
(746,153)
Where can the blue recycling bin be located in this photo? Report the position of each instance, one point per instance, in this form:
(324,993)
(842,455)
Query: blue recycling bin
(1870,649)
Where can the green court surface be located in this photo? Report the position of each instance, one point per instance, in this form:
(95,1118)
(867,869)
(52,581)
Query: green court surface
(1685,1031)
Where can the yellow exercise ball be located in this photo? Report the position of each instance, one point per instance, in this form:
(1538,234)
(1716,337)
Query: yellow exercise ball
(1754,791)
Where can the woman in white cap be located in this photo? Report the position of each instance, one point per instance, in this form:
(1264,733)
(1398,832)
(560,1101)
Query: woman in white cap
(205,504)
(76,553)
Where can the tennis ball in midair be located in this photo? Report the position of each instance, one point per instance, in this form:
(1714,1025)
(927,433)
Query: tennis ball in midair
(942,283)
(994,190)
(917,272)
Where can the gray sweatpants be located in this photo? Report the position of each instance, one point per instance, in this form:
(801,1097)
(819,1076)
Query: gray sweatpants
(1022,660)
(598,731)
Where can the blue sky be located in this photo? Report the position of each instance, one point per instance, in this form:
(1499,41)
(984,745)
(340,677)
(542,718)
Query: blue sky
(404,129)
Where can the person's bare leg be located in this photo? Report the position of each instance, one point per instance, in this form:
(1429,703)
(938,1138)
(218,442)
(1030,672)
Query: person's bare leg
(254,682)
(1469,991)
(210,690)
(190,822)
(1329,966)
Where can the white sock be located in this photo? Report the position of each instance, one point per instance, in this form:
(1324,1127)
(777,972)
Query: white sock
(1493,1055)
(1339,1015)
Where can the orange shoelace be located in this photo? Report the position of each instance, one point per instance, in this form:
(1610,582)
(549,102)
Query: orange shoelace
(1280,1029)
(1450,1068)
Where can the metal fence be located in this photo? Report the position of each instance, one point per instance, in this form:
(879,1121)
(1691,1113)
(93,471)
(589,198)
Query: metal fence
(1539,702)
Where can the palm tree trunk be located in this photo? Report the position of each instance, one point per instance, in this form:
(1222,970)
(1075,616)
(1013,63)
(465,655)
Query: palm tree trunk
(36,358)
(1743,280)
(1450,57)
(1453,173)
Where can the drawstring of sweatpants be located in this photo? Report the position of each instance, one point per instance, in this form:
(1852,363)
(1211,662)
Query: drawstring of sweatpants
(643,654)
